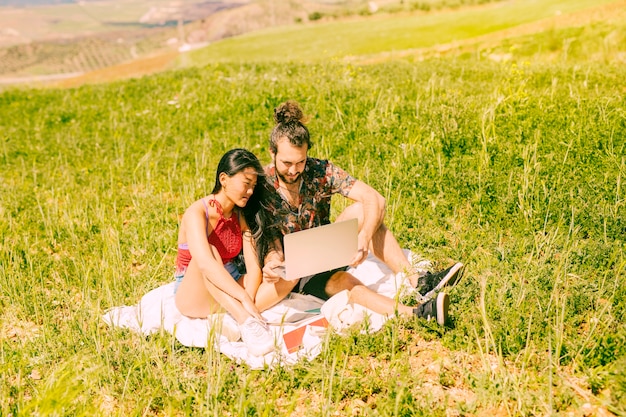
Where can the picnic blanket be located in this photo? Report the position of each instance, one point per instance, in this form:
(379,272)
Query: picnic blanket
(299,322)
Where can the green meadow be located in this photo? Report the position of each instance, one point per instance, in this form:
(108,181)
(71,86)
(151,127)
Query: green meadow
(516,168)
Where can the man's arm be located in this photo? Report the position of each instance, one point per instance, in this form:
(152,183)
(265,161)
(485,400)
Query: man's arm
(373,215)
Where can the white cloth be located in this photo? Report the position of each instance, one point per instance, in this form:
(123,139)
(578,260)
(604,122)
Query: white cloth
(157,311)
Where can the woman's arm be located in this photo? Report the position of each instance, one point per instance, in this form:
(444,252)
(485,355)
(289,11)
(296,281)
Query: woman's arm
(206,256)
(253,268)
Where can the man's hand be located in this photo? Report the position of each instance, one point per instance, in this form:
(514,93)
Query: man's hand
(271,271)
(362,251)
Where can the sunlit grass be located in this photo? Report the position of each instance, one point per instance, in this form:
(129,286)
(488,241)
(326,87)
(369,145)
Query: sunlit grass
(516,168)
(479,162)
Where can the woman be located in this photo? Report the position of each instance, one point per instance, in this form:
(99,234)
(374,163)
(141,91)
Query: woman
(213,232)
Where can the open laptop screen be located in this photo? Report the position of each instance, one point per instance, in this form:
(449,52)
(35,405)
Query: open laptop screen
(320,249)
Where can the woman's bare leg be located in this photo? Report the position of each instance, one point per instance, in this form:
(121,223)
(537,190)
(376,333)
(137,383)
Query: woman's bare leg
(197,297)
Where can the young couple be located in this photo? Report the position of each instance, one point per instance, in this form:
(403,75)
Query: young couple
(250,209)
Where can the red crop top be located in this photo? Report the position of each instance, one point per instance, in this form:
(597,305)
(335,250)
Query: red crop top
(226,237)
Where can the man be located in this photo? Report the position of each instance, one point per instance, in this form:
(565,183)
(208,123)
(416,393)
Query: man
(304,187)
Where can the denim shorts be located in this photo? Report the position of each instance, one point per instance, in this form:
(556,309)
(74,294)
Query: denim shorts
(230,267)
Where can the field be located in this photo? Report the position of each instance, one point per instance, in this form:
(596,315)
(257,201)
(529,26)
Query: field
(514,166)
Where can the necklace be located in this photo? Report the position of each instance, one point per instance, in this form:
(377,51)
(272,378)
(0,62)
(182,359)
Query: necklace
(293,194)
(289,191)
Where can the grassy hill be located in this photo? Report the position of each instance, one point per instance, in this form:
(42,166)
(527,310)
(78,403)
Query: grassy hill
(513,164)
(70,37)
(383,34)
(560,31)
(346,31)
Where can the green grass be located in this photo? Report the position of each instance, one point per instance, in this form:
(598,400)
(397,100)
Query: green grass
(385,33)
(516,171)
(600,42)
(515,168)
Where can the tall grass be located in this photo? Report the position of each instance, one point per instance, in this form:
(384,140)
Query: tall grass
(515,169)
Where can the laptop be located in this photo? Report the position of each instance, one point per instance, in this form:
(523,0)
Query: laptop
(320,249)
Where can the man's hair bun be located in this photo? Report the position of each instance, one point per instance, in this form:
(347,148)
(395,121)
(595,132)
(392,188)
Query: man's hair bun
(288,112)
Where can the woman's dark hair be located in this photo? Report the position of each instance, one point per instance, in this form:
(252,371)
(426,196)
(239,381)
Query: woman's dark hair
(233,162)
(289,124)
(255,212)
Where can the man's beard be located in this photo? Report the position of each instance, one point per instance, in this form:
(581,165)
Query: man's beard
(285,180)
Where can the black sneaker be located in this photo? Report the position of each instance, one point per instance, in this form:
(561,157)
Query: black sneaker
(435,308)
(430,283)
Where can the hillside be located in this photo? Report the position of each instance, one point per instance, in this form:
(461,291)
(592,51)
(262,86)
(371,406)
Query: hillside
(596,32)
(591,29)
(82,37)
(77,37)
(67,39)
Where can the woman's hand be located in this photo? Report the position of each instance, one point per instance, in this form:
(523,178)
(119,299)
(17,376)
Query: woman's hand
(251,308)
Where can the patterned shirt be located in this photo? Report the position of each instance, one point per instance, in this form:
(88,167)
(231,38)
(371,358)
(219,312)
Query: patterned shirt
(320,180)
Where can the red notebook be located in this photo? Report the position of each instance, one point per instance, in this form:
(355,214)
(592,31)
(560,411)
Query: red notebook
(293,338)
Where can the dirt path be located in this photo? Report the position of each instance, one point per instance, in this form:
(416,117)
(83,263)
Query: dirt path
(39,79)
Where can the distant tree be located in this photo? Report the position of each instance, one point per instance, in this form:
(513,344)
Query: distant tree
(315,16)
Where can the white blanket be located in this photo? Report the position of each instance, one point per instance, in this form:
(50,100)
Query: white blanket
(157,311)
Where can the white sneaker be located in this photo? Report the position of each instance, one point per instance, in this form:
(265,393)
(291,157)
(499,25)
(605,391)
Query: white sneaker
(224,324)
(257,336)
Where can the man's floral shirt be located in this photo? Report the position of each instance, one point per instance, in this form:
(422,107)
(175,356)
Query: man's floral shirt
(320,180)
